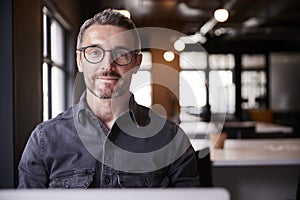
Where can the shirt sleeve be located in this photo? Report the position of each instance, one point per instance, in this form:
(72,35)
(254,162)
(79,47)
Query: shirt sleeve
(184,171)
(32,170)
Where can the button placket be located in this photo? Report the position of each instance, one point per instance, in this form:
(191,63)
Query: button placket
(107,180)
(107,163)
(66,184)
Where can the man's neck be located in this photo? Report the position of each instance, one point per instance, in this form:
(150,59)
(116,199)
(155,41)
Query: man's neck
(107,110)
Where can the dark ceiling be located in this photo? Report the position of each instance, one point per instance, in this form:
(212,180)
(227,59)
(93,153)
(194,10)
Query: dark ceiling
(263,25)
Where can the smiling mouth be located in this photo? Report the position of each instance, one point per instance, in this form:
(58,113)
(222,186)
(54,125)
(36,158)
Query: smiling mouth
(109,78)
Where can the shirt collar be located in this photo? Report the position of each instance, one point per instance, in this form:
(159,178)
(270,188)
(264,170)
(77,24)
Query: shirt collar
(136,112)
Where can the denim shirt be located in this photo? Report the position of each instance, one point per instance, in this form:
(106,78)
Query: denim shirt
(75,150)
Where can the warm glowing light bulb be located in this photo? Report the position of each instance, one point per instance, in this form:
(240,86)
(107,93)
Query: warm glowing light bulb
(179,45)
(169,56)
(221,15)
(126,13)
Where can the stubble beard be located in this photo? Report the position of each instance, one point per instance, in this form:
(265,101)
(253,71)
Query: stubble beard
(108,90)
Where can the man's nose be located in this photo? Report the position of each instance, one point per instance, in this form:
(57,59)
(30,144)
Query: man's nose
(108,61)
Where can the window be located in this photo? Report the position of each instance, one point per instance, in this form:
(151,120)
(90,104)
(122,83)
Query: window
(192,88)
(198,69)
(254,81)
(54,67)
(192,84)
(141,85)
(221,84)
(193,60)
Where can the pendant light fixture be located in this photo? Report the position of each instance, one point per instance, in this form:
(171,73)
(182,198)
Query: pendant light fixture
(221,14)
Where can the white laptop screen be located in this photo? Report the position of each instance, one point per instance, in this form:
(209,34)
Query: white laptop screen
(117,194)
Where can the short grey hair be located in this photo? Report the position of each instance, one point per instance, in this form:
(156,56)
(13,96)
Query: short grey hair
(109,17)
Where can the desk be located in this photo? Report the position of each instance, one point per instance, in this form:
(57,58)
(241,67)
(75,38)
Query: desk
(239,129)
(254,152)
(256,168)
(251,129)
(262,127)
(199,130)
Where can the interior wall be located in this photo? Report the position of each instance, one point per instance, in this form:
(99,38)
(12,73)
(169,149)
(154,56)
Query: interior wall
(70,12)
(285,76)
(6,100)
(165,79)
(27,42)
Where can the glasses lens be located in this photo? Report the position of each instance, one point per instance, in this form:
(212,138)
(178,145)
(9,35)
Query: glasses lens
(94,54)
(122,56)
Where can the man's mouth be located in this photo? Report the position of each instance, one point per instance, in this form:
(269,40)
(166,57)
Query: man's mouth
(109,78)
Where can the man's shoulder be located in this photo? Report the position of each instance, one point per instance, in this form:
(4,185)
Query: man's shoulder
(64,119)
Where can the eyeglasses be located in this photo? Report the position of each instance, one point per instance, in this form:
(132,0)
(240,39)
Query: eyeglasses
(121,56)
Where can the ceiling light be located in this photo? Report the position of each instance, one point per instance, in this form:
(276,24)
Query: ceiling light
(221,15)
(179,45)
(221,31)
(199,37)
(126,13)
(252,22)
(169,56)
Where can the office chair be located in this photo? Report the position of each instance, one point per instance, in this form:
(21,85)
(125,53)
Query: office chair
(204,167)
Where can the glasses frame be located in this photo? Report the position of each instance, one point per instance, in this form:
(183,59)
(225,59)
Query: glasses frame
(132,53)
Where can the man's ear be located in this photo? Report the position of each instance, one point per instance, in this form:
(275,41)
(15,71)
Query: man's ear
(79,61)
(138,63)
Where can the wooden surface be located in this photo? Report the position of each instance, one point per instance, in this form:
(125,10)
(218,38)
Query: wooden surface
(201,129)
(254,152)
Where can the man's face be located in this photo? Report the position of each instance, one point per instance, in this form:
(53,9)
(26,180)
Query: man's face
(107,79)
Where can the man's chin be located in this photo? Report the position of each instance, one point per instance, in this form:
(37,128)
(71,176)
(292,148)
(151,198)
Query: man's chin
(107,95)
(108,91)
(104,96)
(99,94)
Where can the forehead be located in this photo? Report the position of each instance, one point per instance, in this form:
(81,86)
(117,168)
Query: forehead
(108,36)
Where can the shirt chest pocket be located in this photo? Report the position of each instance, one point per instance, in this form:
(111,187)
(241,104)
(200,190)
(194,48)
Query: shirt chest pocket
(72,179)
(143,180)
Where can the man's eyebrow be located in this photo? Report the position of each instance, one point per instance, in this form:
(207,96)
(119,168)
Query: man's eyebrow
(122,47)
(90,45)
(94,45)
(116,47)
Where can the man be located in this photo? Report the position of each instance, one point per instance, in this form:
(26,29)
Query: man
(108,140)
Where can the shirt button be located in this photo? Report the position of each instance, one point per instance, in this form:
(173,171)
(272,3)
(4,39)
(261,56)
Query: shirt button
(66,184)
(106,180)
(146,183)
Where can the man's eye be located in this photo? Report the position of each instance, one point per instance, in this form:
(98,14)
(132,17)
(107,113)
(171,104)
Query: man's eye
(121,54)
(94,52)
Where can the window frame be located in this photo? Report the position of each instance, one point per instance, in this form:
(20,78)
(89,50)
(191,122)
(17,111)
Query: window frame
(260,102)
(51,14)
